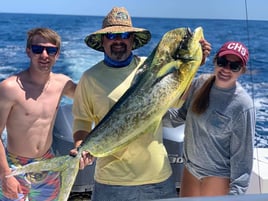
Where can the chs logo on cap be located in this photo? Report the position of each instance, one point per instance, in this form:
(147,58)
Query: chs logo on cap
(235,48)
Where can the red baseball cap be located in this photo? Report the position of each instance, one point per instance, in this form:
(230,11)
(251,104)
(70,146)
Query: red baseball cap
(235,48)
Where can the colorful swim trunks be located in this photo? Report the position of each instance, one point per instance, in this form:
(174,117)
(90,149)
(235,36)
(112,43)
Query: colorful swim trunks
(42,186)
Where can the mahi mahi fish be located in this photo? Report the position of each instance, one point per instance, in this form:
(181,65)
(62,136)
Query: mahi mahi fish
(158,84)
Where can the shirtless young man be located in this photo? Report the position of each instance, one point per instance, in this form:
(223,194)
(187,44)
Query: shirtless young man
(28,106)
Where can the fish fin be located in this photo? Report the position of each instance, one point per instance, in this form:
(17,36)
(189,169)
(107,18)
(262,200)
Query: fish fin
(154,126)
(117,92)
(68,176)
(128,82)
(182,97)
(168,69)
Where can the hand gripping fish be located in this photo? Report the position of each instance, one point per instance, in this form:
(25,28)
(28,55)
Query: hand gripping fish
(159,83)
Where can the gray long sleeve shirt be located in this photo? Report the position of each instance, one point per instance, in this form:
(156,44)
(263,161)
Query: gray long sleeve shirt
(219,142)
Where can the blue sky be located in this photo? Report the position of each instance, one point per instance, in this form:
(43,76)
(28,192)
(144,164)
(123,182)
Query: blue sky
(215,9)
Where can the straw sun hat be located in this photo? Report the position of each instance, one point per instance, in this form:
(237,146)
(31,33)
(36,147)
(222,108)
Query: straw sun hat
(118,21)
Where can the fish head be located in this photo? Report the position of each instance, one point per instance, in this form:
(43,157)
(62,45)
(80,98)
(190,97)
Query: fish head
(189,47)
(177,60)
(178,46)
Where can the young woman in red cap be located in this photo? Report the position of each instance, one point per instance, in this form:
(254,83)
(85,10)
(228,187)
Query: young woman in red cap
(219,119)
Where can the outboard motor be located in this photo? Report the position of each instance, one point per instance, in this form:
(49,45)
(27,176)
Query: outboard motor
(173,141)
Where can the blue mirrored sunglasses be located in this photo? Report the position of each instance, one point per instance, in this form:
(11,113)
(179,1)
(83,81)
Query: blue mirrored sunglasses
(235,66)
(38,49)
(112,36)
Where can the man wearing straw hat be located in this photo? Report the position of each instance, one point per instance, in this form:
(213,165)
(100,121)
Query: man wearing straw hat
(142,170)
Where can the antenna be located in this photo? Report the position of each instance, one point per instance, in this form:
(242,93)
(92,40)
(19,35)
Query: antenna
(252,87)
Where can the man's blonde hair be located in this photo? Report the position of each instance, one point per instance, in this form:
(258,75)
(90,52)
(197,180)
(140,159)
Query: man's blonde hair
(46,33)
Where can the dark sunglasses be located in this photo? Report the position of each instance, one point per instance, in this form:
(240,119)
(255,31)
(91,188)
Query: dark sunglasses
(112,36)
(38,49)
(235,66)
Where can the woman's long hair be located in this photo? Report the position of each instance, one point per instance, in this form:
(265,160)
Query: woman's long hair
(201,97)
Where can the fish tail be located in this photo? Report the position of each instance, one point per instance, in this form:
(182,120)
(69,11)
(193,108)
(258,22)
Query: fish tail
(67,166)
(53,164)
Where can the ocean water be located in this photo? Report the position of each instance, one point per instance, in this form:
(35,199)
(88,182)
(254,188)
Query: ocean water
(76,57)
